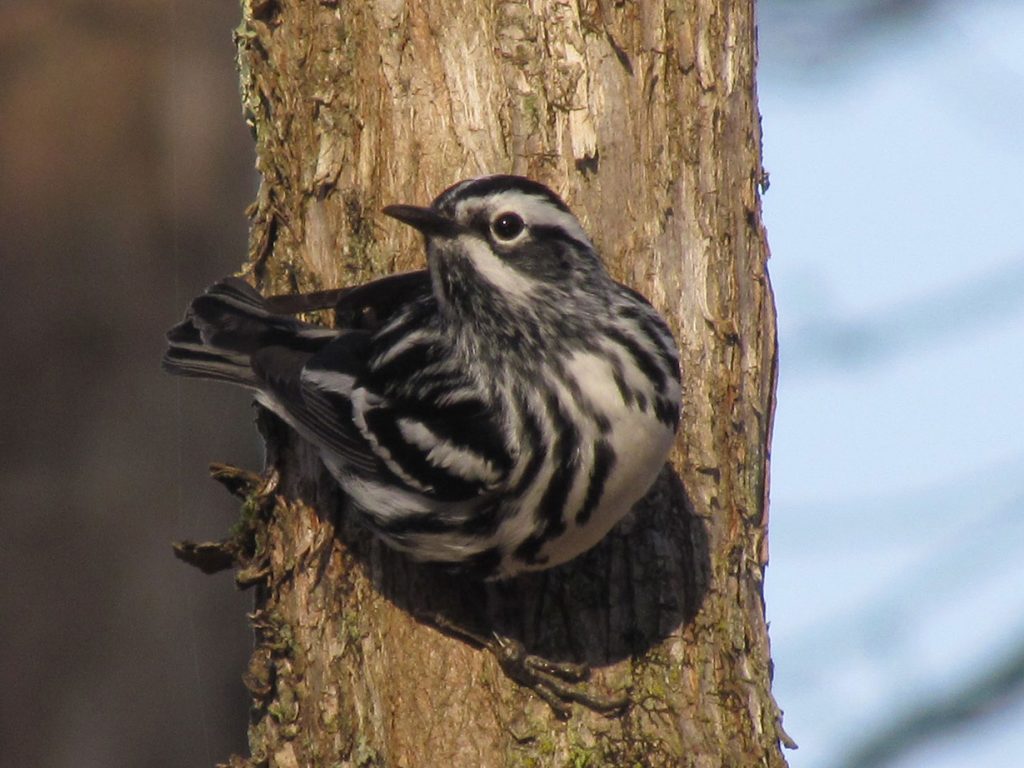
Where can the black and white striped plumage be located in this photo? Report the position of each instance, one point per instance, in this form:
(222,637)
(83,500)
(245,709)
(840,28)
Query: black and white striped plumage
(508,407)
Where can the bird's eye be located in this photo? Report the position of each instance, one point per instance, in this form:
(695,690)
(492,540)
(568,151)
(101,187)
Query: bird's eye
(507,226)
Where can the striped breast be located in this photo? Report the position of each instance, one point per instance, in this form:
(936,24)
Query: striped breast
(605,419)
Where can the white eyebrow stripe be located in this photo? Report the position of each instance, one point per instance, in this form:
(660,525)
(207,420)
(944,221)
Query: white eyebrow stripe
(535,210)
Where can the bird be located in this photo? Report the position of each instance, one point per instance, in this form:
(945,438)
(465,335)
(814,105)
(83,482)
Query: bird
(497,412)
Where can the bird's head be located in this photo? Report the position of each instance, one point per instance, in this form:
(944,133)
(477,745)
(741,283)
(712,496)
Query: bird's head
(504,244)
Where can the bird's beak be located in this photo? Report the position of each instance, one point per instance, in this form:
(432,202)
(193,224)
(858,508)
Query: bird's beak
(426,220)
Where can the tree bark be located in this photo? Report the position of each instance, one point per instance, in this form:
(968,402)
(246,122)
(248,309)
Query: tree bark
(643,117)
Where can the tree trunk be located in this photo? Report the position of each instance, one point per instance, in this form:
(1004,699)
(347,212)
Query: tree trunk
(643,117)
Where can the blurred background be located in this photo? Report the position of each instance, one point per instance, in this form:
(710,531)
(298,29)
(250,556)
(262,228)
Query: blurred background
(125,169)
(893,136)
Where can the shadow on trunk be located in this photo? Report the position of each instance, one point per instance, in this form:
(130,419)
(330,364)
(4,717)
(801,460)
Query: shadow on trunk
(646,578)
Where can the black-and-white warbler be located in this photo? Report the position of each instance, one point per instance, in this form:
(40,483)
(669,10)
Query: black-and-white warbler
(506,407)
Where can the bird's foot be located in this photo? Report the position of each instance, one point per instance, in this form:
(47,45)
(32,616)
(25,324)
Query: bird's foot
(559,684)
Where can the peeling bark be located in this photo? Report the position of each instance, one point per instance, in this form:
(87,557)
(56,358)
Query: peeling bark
(643,117)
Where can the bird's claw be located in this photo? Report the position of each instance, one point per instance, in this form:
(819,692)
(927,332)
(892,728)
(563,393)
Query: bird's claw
(557,683)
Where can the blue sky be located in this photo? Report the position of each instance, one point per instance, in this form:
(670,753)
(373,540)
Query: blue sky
(894,217)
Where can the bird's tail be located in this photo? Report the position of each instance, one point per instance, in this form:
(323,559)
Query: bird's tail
(225,326)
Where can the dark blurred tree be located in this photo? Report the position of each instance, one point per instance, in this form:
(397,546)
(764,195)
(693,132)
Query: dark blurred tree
(644,117)
(124,174)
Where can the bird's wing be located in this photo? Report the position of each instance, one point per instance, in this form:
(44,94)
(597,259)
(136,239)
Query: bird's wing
(314,391)
(419,415)
(388,402)
(370,305)
(362,307)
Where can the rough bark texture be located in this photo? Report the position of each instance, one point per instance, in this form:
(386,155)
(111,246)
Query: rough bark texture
(643,116)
